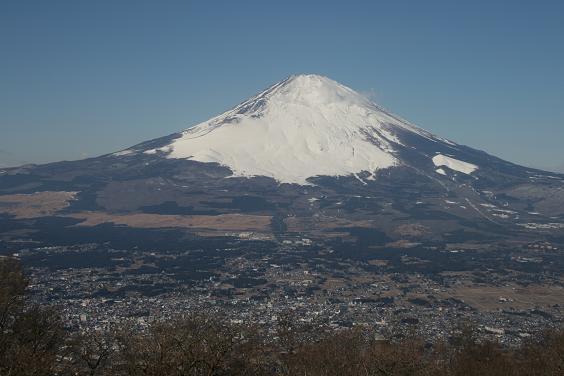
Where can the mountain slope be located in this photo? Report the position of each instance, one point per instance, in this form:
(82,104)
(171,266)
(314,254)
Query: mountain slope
(305,156)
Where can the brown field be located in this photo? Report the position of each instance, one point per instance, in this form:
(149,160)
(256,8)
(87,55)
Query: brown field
(224,222)
(378,262)
(39,204)
(487,298)
(299,223)
(412,230)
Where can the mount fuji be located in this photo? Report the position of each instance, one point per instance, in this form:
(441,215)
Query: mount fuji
(307,126)
(305,157)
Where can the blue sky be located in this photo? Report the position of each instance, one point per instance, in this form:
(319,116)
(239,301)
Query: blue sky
(82,78)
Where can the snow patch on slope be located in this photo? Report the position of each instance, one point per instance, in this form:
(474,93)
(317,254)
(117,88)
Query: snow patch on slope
(440,171)
(454,164)
(124,153)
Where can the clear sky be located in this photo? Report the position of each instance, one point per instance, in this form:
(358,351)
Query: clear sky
(83,78)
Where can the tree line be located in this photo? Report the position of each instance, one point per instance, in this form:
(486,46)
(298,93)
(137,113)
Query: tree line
(34,341)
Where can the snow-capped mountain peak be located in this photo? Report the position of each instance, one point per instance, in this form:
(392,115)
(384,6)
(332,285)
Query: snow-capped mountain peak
(304,126)
(313,91)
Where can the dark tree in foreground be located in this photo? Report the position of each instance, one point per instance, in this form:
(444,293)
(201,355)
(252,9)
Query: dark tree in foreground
(193,345)
(31,337)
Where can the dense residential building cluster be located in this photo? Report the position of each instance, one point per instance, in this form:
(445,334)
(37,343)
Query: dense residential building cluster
(99,288)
